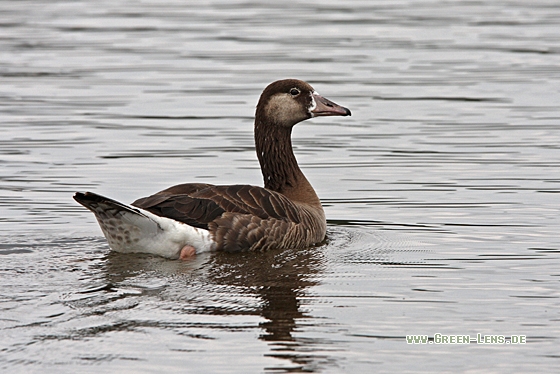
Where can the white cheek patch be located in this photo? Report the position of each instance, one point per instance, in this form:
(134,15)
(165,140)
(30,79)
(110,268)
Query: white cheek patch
(313,103)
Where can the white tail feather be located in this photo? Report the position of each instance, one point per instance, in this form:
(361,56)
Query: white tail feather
(131,229)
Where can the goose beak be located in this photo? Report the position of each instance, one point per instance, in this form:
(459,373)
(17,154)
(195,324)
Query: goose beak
(325,107)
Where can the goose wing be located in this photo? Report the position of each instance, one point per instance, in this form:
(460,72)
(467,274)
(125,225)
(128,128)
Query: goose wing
(200,204)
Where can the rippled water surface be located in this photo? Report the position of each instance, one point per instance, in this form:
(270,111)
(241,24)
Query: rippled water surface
(441,191)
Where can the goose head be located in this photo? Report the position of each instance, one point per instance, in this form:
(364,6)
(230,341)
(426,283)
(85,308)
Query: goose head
(286,102)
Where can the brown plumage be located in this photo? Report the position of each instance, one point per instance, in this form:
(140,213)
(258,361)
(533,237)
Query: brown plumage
(286,213)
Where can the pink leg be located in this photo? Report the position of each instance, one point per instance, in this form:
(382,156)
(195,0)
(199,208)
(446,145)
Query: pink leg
(187,252)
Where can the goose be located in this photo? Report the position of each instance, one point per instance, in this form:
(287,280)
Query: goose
(187,219)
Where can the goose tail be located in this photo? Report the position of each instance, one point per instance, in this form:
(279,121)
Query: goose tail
(130,229)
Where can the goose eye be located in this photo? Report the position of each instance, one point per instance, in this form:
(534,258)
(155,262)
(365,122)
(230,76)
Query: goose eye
(294,92)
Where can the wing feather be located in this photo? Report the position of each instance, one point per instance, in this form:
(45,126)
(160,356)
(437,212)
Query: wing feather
(199,204)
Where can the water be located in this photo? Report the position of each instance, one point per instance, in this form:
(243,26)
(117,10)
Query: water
(441,190)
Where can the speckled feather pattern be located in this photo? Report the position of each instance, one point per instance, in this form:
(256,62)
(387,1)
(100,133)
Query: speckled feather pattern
(132,230)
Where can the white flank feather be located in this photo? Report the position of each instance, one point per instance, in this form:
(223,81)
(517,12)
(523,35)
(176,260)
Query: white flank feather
(130,229)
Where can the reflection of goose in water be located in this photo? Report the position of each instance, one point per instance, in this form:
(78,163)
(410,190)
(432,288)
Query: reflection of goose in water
(270,285)
(273,281)
(279,279)
(195,217)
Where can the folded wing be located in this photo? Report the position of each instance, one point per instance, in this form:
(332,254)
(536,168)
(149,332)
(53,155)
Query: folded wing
(199,204)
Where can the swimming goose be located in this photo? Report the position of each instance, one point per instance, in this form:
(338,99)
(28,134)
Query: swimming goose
(192,218)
